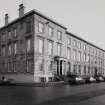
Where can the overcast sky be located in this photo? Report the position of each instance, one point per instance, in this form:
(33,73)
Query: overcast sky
(84,18)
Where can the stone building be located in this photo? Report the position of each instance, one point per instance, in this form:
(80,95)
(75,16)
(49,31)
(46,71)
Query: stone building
(33,48)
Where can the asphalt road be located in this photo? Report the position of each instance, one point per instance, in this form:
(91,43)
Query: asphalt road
(93,94)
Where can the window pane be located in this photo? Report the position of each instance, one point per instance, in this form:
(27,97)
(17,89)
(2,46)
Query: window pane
(3,37)
(3,51)
(9,49)
(74,54)
(68,53)
(50,48)
(84,47)
(28,27)
(69,41)
(50,31)
(79,56)
(15,48)
(9,34)
(14,66)
(41,27)
(28,45)
(58,49)
(84,57)
(79,45)
(59,35)
(40,47)
(74,43)
(15,32)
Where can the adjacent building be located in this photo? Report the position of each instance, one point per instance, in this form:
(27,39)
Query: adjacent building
(34,48)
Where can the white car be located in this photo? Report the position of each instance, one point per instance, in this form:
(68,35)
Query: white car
(92,79)
(101,79)
(79,80)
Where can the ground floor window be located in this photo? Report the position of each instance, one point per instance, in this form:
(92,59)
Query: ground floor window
(50,66)
(74,68)
(14,66)
(69,67)
(79,69)
(89,69)
(28,65)
(9,66)
(84,69)
(41,66)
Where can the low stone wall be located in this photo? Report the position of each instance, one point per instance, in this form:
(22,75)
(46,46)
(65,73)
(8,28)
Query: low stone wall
(20,78)
(48,84)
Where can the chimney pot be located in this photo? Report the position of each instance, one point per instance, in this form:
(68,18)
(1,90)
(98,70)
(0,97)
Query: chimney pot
(6,19)
(21,10)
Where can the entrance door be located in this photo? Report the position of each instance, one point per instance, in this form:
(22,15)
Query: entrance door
(61,67)
(57,67)
(69,67)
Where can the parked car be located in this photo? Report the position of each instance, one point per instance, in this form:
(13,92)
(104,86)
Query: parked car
(87,79)
(104,78)
(79,80)
(9,81)
(92,79)
(99,78)
(74,79)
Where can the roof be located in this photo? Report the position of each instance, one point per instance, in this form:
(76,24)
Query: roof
(71,34)
(30,13)
(34,11)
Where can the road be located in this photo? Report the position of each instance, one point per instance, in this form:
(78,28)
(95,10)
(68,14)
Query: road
(93,94)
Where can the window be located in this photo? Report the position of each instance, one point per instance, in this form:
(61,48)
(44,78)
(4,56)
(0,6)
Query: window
(84,47)
(74,54)
(28,45)
(50,31)
(9,66)
(41,46)
(74,43)
(59,35)
(40,27)
(88,58)
(28,27)
(79,56)
(75,68)
(9,49)
(15,48)
(50,48)
(41,65)
(50,66)
(79,67)
(89,69)
(3,51)
(84,69)
(9,34)
(28,66)
(3,37)
(84,57)
(15,32)
(14,66)
(69,41)
(68,53)
(79,45)
(59,49)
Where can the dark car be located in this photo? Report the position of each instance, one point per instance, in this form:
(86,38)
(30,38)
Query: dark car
(99,78)
(89,79)
(104,78)
(75,79)
(8,82)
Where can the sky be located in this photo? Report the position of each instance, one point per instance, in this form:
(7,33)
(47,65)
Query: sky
(84,18)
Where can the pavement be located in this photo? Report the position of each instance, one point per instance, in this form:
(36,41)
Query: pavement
(93,94)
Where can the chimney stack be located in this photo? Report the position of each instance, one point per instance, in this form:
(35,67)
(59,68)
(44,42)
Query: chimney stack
(21,10)
(6,19)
